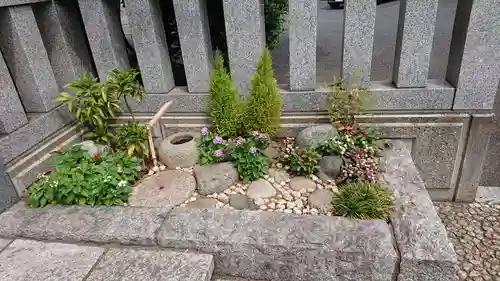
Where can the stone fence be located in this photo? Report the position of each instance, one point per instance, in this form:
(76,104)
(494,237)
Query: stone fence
(45,44)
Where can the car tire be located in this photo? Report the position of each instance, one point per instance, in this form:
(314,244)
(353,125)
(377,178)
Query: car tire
(334,5)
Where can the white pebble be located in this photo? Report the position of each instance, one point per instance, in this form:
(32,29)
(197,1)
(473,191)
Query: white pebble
(303,190)
(182,205)
(259,201)
(266,177)
(279,196)
(314,177)
(232,187)
(233,192)
(329,213)
(288,211)
(314,211)
(239,190)
(272,205)
(281,201)
(263,207)
(311,189)
(281,206)
(195,193)
(290,205)
(285,193)
(283,183)
(306,211)
(288,197)
(156,168)
(297,211)
(210,196)
(287,167)
(296,194)
(244,187)
(276,185)
(239,185)
(271,180)
(151,172)
(214,195)
(274,200)
(177,168)
(223,198)
(192,199)
(319,186)
(299,203)
(227,191)
(162,167)
(219,205)
(287,180)
(279,210)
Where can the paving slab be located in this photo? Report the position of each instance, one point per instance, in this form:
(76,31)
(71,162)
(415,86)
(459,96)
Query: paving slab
(152,265)
(4,243)
(28,260)
(124,225)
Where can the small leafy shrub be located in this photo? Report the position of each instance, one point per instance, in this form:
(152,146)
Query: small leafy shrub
(361,164)
(365,137)
(338,145)
(132,137)
(83,179)
(212,148)
(302,162)
(249,160)
(223,102)
(345,103)
(124,83)
(275,12)
(92,106)
(363,200)
(262,110)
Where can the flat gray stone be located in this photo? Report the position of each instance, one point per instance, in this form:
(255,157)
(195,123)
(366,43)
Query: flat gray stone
(138,265)
(26,260)
(203,203)
(272,153)
(426,252)
(278,175)
(331,166)
(298,183)
(275,246)
(242,202)
(167,188)
(321,199)
(490,194)
(315,134)
(260,188)
(124,225)
(4,243)
(215,178)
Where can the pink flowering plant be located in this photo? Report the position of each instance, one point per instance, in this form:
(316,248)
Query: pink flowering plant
(302,162)
(212,148)
(249,159)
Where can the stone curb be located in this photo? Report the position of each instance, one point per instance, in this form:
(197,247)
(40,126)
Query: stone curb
(268,245)
(123,225)
(426,253)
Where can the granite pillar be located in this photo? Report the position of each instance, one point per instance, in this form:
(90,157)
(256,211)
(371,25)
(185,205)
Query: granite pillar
(101,19)
(150,44)
(194,36)
(7,3)
(12,115)
(27,59)
(303,19)
(474,61)
(474,157)
(8,194)
(245,34)
(416,26)
(357,42)
(64,37)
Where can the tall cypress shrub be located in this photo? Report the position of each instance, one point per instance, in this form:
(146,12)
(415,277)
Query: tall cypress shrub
(263,108)
(223,103)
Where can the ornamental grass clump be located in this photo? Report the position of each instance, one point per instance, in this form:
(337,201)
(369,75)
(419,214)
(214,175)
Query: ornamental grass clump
(363,200)
(223,102)
(262,110)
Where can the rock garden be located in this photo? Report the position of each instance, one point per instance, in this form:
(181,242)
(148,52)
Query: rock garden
(236,163)
(332,202)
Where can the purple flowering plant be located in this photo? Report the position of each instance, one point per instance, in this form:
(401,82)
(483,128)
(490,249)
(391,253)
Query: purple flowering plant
(249,159)
(212,148)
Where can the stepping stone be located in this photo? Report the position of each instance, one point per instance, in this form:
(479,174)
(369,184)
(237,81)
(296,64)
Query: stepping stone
(204,203)
(321,199)
(215,178)
(171,187)
(260,189)
(299,183)
(278,175)
(25,260)
(241,202)
(152,265)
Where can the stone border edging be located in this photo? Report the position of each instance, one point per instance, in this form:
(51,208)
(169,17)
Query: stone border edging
(426,253)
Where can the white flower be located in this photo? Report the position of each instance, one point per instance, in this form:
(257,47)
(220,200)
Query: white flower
(122,183)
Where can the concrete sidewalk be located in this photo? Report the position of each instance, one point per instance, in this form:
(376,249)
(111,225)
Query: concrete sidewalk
(28,260)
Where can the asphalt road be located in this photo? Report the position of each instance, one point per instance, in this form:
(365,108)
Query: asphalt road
(329,43)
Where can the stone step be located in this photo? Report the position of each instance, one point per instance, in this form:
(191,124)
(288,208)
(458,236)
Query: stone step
(35,260)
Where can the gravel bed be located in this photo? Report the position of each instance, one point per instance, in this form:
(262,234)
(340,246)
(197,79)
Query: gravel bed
(474,230)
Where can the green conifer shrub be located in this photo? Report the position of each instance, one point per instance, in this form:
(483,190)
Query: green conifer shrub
(262,109)
(224,102)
